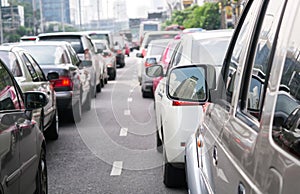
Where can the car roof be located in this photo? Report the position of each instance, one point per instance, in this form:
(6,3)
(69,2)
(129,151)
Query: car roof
(159,41)
(149,33)
(98,32)
(56,43)
(63,34)
(209,34)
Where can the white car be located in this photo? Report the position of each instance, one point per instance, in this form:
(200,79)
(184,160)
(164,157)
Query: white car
(181,94)
(154,53)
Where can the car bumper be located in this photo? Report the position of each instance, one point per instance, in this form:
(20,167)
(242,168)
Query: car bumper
(65,100)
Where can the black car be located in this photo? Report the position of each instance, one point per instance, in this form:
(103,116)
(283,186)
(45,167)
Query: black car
(120,55)
(73,86)
(23,147)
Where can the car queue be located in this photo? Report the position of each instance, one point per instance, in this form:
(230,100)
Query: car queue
(42,81)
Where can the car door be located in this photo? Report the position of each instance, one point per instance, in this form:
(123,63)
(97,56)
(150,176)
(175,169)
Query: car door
(216,158)
(11,119)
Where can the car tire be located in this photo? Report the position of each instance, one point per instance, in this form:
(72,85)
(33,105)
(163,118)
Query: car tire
(105,80)
(112,75)
(42,176)
(52,132)
(102,83)
(173,177)
(159,146)
(98,88)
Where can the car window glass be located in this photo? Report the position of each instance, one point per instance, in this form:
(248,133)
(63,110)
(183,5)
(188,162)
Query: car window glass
(37,68)
(265,41)
(8,94)
(11,60)
(286,121)
(236,58)
(178,56)
(33,73)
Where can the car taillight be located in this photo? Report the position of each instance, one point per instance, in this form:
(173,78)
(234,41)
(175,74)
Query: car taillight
(62,82)
(110,65)
(185,103)
(87,55)
(144,52)
(147,64)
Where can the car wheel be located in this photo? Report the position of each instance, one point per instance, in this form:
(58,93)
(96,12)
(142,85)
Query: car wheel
(98,88)
(105,80)
(88,102)
(102,82)
(159,145)
(42,177)
(52,131)
(112,75)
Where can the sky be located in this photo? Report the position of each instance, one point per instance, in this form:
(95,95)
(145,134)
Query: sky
(139,8)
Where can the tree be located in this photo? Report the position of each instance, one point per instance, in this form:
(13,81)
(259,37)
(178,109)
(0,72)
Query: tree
(206,17)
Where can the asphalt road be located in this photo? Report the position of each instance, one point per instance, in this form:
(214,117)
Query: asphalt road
(112,149)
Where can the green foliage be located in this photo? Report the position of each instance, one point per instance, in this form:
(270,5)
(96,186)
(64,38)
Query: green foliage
(206,17)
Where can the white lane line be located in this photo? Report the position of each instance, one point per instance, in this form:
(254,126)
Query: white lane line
(117,168)
(123,131)
(130,99)
(131,91)
(127,112)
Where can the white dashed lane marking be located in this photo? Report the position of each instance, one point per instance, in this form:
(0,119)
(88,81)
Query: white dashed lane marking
(126,112)
(130,99)
(117,168)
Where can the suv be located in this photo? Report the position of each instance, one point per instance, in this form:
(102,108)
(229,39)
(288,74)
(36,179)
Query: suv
(249,141)
(85,50)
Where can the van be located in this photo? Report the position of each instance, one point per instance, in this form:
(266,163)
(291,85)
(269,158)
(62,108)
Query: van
(102,35)
(249,140)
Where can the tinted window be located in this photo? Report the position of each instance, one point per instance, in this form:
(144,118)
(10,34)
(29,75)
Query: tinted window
(150,27)
(34,75)
(156,49)
(236,58)
(37,68)
(262,52)
(286,122)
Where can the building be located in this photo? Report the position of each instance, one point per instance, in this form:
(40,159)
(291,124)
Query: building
(56,10)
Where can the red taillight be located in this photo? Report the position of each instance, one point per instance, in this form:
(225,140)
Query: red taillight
(185,103)
(147,64)
(87,55)
(62,82)
(144,52)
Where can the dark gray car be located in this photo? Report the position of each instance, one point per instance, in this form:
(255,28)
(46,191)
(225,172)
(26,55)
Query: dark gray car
(249,141)
(23,149)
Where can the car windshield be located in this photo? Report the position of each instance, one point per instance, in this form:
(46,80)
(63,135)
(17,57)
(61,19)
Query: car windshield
(47,54)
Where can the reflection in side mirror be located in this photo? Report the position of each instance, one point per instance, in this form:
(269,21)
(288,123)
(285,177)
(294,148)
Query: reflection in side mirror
(34,100)
(85,63)
(52,76)
(188,83)
(154,71)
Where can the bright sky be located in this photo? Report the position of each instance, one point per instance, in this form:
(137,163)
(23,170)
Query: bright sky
(140,8)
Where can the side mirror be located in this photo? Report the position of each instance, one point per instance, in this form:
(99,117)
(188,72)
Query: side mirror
(52,76)
(105,54)
(139,55)
(100,51)
(34,100)
(188,83)
(86,63)
(154,71)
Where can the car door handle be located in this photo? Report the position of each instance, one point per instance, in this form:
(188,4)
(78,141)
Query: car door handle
(215,156)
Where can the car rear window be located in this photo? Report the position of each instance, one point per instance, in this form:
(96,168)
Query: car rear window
(47,54)
(75,41)
(157,37)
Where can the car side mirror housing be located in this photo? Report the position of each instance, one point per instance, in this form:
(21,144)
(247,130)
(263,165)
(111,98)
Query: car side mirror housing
(35,100)
(155,71)
(52,76)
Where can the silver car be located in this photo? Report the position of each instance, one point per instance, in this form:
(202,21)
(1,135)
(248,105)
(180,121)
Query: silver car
(249,141)
(30,77)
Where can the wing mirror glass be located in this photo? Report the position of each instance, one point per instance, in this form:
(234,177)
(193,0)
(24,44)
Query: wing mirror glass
(34,100)
(188,83)
(154,71)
